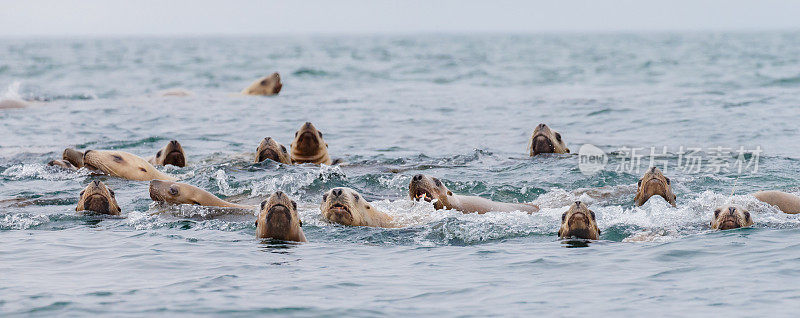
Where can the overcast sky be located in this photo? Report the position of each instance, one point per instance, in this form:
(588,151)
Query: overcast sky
(201,17)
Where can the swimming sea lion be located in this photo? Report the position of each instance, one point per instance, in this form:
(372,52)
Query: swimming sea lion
(654,183)
(122,164)
(579,222)
(181,193)
(430,189)
(12,103)
(271,149)
(278,219)
(308,146)
(728,217)
(96,197)
(270,85)
(546,140)
(171,154)
(786,202)
(345,206)
(70,159)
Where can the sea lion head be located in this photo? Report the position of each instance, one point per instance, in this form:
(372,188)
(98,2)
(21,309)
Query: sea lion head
(579,222)
(279,220)
(120,164)
(345,206)
(270,85)
(728,217)
(96,197)
(73,156)
(654,183)
(308,144)
(429,189)
(546,140)
(171,154)
(173,192)
(270,149)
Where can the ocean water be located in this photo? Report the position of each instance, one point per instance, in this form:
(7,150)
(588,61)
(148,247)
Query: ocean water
(458,107)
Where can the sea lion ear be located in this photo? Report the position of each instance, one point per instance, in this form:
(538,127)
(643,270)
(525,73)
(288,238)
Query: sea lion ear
(567,150)
(449,192)
(326,145)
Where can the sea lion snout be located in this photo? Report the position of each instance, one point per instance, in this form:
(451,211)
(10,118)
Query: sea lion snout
(546,140)
(96,197)
(731,217)
(542,144)
(579,222)
(278,219)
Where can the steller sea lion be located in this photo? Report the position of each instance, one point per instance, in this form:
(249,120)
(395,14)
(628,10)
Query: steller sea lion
(786,202)
(546,140)
(728,217)
(181,193)
(70,159)
(122,164)
(171,154)
(279,220)
(345,206)
(308,146)
(654,183)
(12,103)
(96,197)
(579,222)
(270,85)
(270,149)
(430,189)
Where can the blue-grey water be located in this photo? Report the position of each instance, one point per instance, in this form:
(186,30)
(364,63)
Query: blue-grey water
(457,107)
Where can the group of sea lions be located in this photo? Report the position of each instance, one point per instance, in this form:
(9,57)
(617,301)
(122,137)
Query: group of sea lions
(278,217)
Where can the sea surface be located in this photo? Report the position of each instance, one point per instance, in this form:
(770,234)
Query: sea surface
(457,107)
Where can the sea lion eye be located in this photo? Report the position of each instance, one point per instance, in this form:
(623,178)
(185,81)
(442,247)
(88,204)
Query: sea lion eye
(640,182)
(437,182)
(256,223)
(558,136)
(320,134)
(82,192)
(564,217)
(295,134)
(593,216)
(117,158)
(325,197)
(283,148)
(294,205)
(111,192)
(264,83)
(746,216)
(158,154)
(716,212)
(667,180)
(173,191)
(263,203)
(355,195)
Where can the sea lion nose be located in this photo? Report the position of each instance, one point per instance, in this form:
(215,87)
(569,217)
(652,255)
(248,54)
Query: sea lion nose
(279,193)
(653,169)
(732,210)
(541,125)
(417,177)
(173,142)
(96,183)
(578,203)
(337,192)
(307,124)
